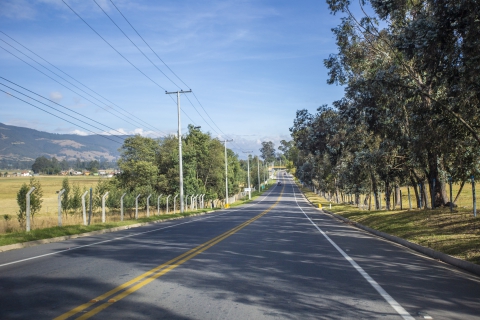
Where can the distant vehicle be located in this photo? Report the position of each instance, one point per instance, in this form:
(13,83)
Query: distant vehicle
(284,173)
(279,183)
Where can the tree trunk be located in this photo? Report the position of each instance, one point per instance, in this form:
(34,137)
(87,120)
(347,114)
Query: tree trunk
(439,195)
(387,194)
(414,186)
(459,191)
(375,190)
(398,198)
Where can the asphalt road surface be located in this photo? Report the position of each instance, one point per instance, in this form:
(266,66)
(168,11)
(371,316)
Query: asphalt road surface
(275,258)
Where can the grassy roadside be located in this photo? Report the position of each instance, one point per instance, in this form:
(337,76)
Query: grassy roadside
(456,234)
(47,233)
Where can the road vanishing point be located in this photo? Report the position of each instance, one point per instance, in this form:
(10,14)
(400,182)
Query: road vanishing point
(277,257)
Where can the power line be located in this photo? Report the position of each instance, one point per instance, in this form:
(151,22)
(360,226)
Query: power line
(59,105)
(165,66)
(121,54)
(63,84)
(106,137)
(150,47)
(134,43)
(140,50)
(144,122)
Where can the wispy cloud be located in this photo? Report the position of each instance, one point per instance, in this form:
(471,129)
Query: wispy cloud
(56,96)
(17,9)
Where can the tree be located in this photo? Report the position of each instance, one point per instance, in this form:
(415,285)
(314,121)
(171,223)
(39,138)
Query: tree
(268,151)
(35,200)
(138,162)
(66,205)
(76,198)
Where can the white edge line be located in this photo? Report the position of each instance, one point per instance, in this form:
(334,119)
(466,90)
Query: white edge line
(395,305)
(127,236)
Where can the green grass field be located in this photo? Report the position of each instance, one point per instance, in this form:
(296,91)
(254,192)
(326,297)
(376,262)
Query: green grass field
(456,234)
(45,224)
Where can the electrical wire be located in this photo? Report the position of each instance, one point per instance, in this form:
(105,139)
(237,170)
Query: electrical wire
(111,46)
(153,51)
(60,106)
(126,111)
(140,50)
(104,136)
(64,85)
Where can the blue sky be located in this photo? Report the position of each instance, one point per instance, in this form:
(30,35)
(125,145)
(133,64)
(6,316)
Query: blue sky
(251,64)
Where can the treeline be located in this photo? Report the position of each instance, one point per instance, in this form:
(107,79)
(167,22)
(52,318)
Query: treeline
(54,166)
(410,112)
(151,166)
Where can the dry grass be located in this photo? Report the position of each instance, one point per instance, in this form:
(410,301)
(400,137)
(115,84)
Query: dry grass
(456,234)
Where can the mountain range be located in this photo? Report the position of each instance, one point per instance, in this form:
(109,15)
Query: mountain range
(24,144)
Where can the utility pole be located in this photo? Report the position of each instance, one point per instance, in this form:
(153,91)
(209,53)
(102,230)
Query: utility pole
(248,169)
(179,144)
(227,205)
(258,173)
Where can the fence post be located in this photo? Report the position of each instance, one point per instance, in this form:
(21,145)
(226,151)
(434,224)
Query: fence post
(158,204)
(474,198)
(121,206)
(103,207)
(451,194)
(148,205)
(433,193)
(175,204)
(84,209)
(60,207)
(420,198)
(167,201)
(91,205)
(27,223)
(401,202)
(409,199)
(136,206)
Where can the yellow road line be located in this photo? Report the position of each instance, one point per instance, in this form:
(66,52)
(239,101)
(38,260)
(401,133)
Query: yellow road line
(156,272)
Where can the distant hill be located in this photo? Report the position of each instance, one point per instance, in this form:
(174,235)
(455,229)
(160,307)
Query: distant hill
(24,144)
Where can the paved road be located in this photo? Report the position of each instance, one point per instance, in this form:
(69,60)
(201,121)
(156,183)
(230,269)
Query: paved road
(277,258)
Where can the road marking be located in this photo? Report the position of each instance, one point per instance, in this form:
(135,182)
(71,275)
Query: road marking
(142,280)
(128,236)
(393,303)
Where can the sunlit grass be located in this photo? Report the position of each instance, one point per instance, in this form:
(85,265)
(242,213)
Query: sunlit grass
(456,234)
(45,229)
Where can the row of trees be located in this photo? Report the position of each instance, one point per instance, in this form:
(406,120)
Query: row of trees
(410,113)
(54,166)
(150,167)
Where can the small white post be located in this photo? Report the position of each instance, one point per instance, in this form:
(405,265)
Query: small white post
(28,208)
(121,206)
(191,201)
(175,204)
(167,201)
(203,201)
(186,202)
(158,204)
(84,209)
(136,206)
(60,207)
(148,205)
(103,207)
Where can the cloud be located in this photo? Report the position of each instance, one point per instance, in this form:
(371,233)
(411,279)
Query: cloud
(79,132)
(56,96)
(17,9)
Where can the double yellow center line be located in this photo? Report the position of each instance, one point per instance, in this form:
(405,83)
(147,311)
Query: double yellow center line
(142,280)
